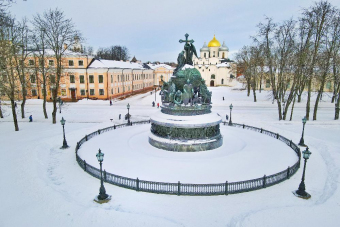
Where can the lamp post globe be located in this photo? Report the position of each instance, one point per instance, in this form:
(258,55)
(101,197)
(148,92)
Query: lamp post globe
(63,121)
(302,141)
(231,108)
(301,192)
(102,192)
(128,107)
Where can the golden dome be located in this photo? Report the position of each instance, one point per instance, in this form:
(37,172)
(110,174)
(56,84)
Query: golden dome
(214,43)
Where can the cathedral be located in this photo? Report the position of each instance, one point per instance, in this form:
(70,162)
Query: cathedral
(214,65)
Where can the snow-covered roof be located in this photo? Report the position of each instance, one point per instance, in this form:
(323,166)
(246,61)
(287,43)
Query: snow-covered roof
(155,66)
(100,63)
(224,64)
(50,52)
(186,66)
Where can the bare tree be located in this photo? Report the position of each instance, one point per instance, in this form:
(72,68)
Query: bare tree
(116,53)
(60,34)
(9,48)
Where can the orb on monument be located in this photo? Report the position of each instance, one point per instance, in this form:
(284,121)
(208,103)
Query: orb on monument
(214,43)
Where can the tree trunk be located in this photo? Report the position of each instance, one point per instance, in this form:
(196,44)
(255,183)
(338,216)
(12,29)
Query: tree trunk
(291,111)
(248,89)
(279,108)
(309,94)
(23,106)
(54,112)
(1,115)
(44,103)
(336,117)
(14,113)
(254,93)
(299,98)
(318,98)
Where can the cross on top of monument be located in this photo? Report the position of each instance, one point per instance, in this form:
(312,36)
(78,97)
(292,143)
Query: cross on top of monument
(186,39)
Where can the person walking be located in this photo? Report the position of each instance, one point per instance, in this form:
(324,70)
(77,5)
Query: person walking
(110,102)
(120,116)
(30,118)
(158,105)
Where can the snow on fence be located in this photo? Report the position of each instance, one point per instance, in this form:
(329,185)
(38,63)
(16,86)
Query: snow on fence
(192,189)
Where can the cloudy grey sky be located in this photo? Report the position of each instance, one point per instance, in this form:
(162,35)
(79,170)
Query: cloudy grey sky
(151,28)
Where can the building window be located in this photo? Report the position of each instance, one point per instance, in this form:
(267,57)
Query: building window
(63,92)
(111,79)
(328,85)
(82,92)
(111,91)
(267,83)
(205,55)
(30,62)
(32,79)
(91,91)
(213,53)
(213,76)
(118,90)
(222,81)
(52,78)
(42,91)
(70,63)
(101,91)
(91,79)
(34,92)
(72,80)
(100,78)
(81,79)
(50,62)
(81,63)
(223,55)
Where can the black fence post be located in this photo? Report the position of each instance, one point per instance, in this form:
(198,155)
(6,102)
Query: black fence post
(277,135)
(84,165)
(99,131)
(149,121)
(137,184)
(264,181)
(86,137)
(179,188)
(77,146)
(243,125)
(261,130)
(226,188)
(114,126)
(288,173)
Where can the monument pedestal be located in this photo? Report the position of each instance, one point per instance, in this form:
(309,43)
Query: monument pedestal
(186,133)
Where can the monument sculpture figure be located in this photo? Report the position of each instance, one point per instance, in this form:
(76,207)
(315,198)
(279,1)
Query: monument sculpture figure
(185,122)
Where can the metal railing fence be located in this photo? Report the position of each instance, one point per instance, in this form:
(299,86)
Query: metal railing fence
(192,189)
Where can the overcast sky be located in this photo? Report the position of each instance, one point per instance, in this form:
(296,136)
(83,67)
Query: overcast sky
(150,29)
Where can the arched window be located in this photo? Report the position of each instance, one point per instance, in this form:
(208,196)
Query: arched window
(222,81)
(223,55)
(205,55)
(213,53)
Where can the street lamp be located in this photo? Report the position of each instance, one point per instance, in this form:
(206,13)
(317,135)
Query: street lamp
(65,146)
(301,192)
(102,192)
(302,141)
(231,107)
(128,107)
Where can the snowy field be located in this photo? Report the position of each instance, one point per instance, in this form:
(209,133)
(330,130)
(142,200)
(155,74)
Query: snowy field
(42,185)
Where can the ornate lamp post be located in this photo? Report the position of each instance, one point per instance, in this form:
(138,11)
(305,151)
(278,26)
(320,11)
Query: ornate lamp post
(301,192)
(102,192)
(64,142)
(302,141)
(231,108)
(128,107)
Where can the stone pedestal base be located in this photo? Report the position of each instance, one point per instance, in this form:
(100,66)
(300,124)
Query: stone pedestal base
(102,201)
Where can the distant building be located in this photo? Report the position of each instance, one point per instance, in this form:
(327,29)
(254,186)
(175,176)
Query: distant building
(161,70)
(214,65)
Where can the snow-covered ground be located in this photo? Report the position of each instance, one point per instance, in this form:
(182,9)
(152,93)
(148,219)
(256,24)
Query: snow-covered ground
(42,185)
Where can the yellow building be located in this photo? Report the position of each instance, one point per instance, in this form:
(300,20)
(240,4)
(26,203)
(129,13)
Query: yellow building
(161,71)
(84,76)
